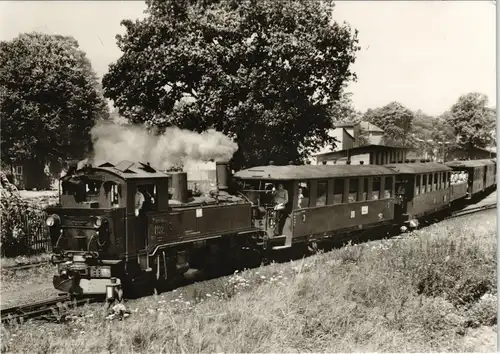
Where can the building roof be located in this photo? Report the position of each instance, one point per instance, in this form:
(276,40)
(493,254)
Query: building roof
(345,125)
(418,167)
(293,172)
(363,149)
(363,124)
(369,127)
(470,163)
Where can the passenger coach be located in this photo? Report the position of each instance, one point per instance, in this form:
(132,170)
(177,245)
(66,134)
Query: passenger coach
(423,189)
(481,175)
(323,200)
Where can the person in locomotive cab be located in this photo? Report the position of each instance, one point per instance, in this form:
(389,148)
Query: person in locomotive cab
(139,201)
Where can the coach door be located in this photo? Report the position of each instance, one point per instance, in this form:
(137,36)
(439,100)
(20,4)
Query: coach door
(405,186)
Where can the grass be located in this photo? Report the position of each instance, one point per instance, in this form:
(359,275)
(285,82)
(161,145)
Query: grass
(432,291)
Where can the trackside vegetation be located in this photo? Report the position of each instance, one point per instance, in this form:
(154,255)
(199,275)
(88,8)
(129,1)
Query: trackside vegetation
(433,290)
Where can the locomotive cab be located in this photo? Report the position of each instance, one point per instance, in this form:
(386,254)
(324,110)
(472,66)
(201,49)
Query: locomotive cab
(97,226)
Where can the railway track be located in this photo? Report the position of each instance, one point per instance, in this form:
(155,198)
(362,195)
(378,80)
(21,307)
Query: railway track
(26,266)
(53,308)
(473,210)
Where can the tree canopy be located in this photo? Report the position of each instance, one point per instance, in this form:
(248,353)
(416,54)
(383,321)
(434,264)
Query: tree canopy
(396,121)
(50,99)
(472,120)
(343,111)
(264,72)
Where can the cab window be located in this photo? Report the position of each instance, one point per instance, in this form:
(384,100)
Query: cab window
(112,191)
(92,187)
(82,189)
(417,184)
(148,192)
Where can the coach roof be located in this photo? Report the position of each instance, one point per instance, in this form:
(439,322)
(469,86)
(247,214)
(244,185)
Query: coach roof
(415,168)
(293,172)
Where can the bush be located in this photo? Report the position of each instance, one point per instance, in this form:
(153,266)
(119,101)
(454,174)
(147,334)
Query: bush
(22,224)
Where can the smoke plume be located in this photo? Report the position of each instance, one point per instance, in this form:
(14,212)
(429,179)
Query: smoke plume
(114,142)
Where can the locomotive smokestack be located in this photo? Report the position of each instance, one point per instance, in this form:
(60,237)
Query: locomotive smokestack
(221,173)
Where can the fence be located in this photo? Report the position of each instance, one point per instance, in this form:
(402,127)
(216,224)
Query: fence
(30,236)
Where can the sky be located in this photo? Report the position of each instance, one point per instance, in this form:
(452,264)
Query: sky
(422,54)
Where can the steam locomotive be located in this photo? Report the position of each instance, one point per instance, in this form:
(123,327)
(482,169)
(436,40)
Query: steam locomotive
(124,226)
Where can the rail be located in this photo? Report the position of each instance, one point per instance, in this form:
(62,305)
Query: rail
(26,266)
(36,310)
(474,210)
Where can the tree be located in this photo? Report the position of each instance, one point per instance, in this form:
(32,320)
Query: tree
(50,99)
(472,120)
(362,137)
(263,72)
(343,111)
(396,121)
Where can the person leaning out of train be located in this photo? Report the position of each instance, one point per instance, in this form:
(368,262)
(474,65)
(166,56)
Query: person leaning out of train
(280,197)
(139,202)
(300,197)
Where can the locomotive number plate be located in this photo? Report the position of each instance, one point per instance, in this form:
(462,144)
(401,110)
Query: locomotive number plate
(159,226)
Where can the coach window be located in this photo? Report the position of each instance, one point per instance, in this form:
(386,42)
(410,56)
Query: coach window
(435,181)
(417,184)
(303,195)
(423,189)
(338,190)
(321,193)
(364,188)
(430,180)
(443,179)
(376,188)
(388,187)
(353,189)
